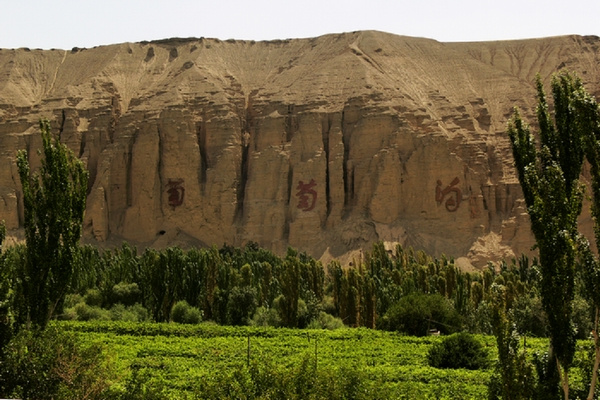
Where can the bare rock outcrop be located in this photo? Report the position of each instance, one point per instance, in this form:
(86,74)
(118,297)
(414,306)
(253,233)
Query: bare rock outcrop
(323,144)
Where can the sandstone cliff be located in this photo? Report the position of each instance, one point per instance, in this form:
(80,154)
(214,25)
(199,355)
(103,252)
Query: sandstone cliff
(323,144)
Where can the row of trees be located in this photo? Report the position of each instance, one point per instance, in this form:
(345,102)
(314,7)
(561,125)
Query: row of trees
(231,285)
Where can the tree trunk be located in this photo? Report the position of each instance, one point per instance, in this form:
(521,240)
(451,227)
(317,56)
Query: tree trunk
(564,379)
(597,359)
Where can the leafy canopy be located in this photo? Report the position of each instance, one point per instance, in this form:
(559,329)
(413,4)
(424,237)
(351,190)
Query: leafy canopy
(54,203)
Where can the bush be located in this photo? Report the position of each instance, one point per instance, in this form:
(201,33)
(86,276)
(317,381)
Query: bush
(141,386)
(529,316)
(126,293)
(265,317)
(53,365)
(326,321)
(71,300)
(93,298)
(479,320)
(415,314)
(134,313)
(241,305)
(183,313)
(268,380)
(582,318)
(461,350)
(328,305)
(86,312)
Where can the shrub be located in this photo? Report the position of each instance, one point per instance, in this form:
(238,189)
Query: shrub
(125,293)
(326,321)
(265,317)
(86,312)
(415,314)
(183,313)
(241,305)
(268,380)
(51,364)
(461,350)
(140,311)
(93,298)
(479,320)
(529,316)
(141,386)
(134,313)
(328,305)
(71,300)
(582,318)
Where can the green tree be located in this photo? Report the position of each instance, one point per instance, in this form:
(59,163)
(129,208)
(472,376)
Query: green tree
(5,293)
(513,376)
(417,313)
(459,350)
(589,120)
(290,290)
(549,176)
(54,203)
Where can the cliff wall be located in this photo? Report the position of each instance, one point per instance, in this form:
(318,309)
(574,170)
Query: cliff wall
(323,144)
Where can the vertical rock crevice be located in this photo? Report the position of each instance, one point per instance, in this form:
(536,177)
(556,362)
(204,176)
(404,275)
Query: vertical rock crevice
(241,189)
(115,116)
(63,119)
(161,154)
(291,123)
(348,173)
(128,170)
(201,141)
(290,188)
(246,126)
(325,131)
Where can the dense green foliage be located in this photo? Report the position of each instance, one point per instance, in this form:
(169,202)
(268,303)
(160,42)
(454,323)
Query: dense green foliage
(6,293)
(185,314)
(417,314)
(211,361)
(401,290)
(513,376)
(53,364)
(54,202)
(460,350)
(168,360)
(549,175)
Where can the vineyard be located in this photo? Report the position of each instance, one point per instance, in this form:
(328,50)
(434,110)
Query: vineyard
(191,360)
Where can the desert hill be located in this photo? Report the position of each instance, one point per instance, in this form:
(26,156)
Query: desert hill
(323,144)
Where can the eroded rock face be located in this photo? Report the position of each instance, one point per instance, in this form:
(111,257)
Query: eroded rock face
(323,144)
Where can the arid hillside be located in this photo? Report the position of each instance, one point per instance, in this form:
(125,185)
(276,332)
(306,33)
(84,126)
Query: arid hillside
(323,144)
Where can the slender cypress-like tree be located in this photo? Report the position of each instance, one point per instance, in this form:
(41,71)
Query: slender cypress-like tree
(5,294)
(589,121)
(54,203)
(549,176)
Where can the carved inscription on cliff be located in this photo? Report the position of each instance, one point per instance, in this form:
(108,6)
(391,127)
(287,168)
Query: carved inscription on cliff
(450,195)
(175,192)
(307,195)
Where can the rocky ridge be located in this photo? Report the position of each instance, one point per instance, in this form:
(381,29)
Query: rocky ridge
(323,144)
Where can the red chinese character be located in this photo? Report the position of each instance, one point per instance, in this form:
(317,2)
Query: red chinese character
(175,192)
(453,202)
(308,197)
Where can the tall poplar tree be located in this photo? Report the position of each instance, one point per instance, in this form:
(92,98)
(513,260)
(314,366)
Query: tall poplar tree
(54,203)
(5,293)
(549,176)
(589,120)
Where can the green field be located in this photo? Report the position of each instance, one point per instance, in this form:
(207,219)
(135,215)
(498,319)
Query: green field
(181,358)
